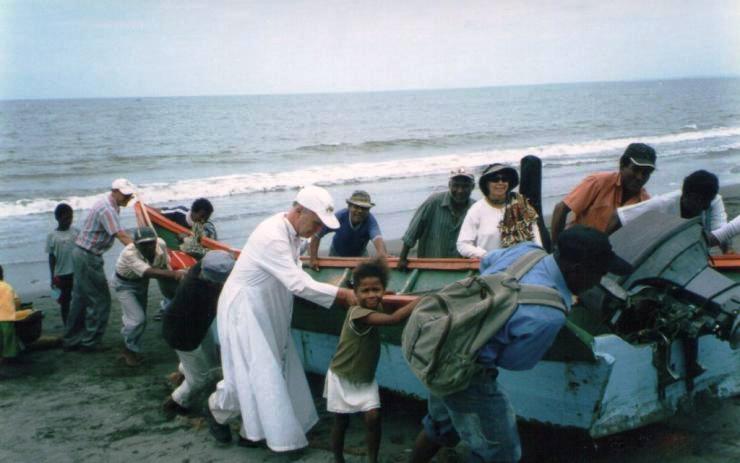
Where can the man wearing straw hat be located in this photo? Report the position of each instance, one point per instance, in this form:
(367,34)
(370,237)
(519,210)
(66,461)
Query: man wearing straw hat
(264,381)
(90,307)
(357,227)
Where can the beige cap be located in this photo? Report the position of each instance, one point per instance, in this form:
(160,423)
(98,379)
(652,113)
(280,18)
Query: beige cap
(124,186)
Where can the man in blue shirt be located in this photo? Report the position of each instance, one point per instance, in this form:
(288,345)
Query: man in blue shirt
(357,227)
(481,415)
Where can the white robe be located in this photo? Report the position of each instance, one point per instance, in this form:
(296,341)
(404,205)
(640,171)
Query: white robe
(264,379)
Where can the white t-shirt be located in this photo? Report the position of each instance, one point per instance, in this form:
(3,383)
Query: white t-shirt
(670,204)
(132,265)
(479,232)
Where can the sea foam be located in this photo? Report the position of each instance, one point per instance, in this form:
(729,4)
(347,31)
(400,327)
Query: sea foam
(358,172)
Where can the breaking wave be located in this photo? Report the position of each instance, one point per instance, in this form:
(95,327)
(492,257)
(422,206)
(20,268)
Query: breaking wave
(357,172)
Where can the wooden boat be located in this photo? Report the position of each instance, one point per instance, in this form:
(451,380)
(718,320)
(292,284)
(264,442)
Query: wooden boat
(612,367)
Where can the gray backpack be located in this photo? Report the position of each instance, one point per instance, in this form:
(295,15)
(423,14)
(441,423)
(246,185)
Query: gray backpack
(444,333)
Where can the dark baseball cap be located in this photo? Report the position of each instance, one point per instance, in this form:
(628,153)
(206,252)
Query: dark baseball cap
(144,235)
(581,244)
(641,154)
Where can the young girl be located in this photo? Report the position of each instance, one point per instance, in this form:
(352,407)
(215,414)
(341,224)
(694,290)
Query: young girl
(350,382)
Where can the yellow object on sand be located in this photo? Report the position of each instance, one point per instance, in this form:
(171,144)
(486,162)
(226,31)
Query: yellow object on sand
(9,303)
(22,314)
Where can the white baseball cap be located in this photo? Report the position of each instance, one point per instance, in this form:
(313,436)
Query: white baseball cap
(124,186)
(319,201)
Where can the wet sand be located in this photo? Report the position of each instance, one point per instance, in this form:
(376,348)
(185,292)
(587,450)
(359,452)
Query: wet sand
(71,407)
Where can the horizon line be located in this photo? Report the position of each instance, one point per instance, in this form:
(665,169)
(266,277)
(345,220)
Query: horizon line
(397,90)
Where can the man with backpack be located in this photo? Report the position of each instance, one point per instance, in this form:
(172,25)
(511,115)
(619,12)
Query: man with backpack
(530,294)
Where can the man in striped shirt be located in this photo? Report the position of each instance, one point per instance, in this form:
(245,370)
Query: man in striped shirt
(90,308)
(437,222)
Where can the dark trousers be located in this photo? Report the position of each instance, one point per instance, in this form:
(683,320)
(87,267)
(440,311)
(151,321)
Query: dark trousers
(64,284)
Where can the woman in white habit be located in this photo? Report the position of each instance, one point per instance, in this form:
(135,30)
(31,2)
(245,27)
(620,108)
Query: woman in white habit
(264,381)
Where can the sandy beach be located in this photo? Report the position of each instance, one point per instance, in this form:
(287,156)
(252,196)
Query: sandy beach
(71,407)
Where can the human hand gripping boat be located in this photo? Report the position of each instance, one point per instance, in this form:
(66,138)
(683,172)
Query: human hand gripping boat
(633,347)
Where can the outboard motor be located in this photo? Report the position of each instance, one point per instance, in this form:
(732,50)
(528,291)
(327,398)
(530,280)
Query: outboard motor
(672,293)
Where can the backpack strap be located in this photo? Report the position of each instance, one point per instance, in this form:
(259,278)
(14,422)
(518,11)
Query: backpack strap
(541,295)
(534,294)
(525,263)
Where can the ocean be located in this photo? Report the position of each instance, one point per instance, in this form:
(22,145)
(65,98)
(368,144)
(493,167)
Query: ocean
(250,154)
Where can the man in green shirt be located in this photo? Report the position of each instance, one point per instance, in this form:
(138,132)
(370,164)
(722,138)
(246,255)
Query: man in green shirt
(437,222)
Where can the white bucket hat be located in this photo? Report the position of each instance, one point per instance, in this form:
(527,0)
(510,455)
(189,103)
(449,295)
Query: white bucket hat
(319,201)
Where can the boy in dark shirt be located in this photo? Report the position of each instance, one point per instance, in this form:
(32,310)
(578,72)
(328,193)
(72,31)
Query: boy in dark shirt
(350,382)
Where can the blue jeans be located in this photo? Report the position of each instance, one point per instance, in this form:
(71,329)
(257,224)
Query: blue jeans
(481,416)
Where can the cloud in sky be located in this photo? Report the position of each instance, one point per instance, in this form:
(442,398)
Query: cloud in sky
(144,48)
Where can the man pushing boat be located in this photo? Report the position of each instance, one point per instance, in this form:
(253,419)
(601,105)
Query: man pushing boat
(90,307)
(264,381)
(436,223)
(478,411)
(595,199)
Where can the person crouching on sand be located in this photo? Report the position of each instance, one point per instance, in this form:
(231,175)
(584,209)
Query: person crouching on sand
(139,261)
(350,381)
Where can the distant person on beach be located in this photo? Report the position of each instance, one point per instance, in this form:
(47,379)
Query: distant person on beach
(501,218)
(357,227)
(10,305)
(139,261)
(60,245)
(594,200)
(197,220)
(350,385)
(699,197)
(481,414)
(186,327)
(90,307)
(264,381)
(436,223)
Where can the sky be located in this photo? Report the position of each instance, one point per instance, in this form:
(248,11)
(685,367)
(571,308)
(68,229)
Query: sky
(106,48)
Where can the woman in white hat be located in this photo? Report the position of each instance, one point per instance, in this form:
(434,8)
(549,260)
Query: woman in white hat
(501,218)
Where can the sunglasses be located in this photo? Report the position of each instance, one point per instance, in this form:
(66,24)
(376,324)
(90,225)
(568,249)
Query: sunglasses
(498,178)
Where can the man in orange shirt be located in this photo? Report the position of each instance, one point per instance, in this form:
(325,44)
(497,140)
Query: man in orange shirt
(595,199)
